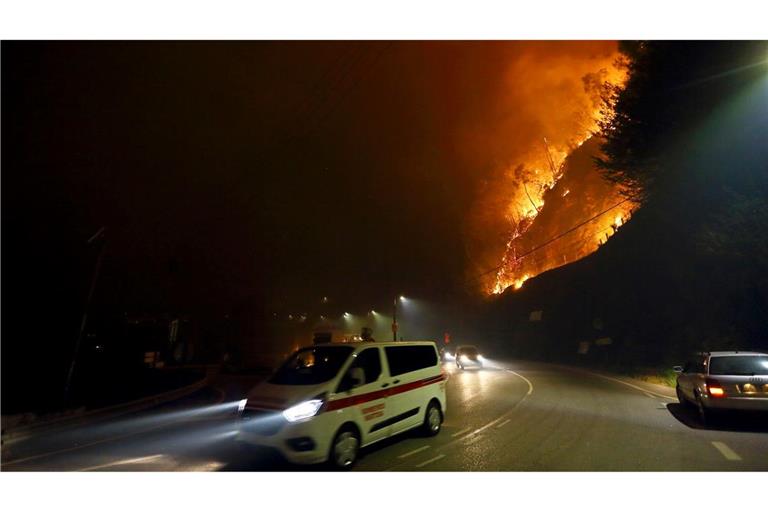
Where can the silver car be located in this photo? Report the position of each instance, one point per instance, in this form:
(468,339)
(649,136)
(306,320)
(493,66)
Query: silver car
(731,380)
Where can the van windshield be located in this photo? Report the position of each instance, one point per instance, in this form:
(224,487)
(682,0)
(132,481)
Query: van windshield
(311,366)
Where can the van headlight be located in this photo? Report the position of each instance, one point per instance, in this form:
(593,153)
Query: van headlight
(303,410)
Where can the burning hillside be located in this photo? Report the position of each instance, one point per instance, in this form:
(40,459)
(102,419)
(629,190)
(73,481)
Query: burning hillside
(544,204)
(574,217)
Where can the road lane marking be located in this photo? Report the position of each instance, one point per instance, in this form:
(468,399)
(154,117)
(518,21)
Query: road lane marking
(650,395)
(497,420)
(413,452)
(503,423)
(463,431)
(109,439)
(473,439)
(530,386)
(456,435)
(124,462)
(655,395)
(430,461)
(726,451)
(102,441)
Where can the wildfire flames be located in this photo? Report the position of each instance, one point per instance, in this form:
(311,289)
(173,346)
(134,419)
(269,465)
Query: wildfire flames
(575,213)
(548,202)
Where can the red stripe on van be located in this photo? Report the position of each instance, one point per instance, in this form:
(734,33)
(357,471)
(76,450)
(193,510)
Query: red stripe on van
(376,395)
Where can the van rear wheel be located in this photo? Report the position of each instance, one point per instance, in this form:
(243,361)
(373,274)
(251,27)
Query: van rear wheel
(433,419)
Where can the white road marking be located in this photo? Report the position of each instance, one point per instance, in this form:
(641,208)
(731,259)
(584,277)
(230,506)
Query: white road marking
(102,441)
(475,432)
(530,386)
(413,452)
(463,431)
(109,439)
(433,459)
(138,460)
(650,395)
(492,423)
(655,395)
(503,423)
(726,451)
(473,439)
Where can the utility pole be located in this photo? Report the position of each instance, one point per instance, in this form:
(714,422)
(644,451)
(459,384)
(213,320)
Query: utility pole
(394,319)
(99,235)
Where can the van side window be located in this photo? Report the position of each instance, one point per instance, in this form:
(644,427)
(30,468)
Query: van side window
(409,359)
(370,362)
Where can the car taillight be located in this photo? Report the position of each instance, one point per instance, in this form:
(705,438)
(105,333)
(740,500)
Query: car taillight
(714,389)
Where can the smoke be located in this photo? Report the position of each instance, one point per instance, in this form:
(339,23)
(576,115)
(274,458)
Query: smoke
(547,105)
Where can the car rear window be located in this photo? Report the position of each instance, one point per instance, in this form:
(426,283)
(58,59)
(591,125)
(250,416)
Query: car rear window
(469,351)
(738,365)
(312,366)
(409,359)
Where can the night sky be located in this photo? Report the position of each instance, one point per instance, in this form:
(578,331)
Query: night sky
(285,170)
(262,175)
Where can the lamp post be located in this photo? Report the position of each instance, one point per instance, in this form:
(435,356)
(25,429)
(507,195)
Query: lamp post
(394,316)
(99,236)
(394,319)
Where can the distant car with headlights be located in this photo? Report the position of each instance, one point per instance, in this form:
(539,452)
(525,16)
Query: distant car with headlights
(329,400)
(468,356)
(722,381)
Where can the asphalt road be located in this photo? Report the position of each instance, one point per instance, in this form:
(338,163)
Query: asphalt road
(517,416)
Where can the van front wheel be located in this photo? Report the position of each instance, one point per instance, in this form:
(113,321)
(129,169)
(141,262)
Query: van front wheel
(344,450)
(433,419)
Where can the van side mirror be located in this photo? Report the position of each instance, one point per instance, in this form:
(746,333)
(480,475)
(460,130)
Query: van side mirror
(677,369)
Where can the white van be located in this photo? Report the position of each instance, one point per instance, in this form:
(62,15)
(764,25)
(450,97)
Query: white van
(329,400)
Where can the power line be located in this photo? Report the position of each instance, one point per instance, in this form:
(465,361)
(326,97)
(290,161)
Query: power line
(555,238)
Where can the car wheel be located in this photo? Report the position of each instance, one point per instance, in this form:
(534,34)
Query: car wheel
(433,419)
(344,449)
(681,397)
(704,415)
